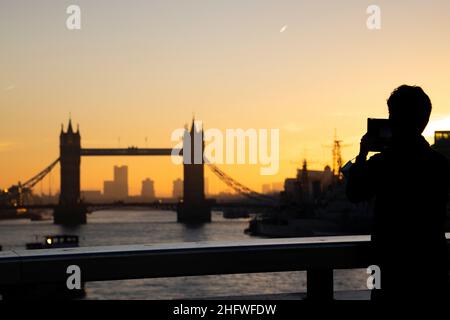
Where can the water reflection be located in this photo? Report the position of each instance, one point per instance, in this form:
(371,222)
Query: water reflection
(141,227)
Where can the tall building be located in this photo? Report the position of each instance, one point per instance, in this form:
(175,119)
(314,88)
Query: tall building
(177,191)
(148,189)
(121,179)
(117,189)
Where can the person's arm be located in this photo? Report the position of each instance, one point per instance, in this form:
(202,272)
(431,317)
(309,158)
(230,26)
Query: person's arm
(359,184)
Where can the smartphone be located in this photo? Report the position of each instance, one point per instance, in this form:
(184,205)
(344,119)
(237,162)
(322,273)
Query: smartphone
(379,134)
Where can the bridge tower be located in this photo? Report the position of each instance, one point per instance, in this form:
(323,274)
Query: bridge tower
(70,210)
(194,208)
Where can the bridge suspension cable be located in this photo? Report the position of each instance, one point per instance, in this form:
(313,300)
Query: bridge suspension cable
(238,187)
(41,175)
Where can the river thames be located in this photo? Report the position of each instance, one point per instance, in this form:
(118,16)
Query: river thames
(124,227)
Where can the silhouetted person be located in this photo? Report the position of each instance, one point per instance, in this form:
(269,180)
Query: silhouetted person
(409,182)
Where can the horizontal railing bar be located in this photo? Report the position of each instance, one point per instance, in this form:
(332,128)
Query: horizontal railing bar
(185,259)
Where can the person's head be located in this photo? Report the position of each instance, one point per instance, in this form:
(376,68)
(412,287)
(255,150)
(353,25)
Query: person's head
(409,110)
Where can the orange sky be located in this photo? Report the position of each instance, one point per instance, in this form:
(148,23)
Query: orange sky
(140,69)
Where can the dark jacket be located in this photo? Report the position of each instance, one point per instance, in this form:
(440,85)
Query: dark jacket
(410,185)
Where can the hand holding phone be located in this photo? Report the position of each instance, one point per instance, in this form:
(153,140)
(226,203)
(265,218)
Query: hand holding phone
(379,134)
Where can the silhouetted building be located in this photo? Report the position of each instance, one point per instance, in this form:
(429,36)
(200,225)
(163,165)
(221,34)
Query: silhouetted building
(266,188)
(117,189)
(91,196)
(272,188)
(121,178)
(442,143)
(292,191)
(277,186)
(109,189)
(308,185)
(177,191)
(148,189)
(316,181)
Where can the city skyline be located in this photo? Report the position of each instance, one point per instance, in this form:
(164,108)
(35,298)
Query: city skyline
(134,73)
(117,188)
(147,186)
(255,152)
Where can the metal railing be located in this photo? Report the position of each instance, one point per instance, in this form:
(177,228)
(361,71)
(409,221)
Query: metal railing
(318,256)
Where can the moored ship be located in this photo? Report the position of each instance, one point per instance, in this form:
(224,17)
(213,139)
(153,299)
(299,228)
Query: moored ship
(313,204)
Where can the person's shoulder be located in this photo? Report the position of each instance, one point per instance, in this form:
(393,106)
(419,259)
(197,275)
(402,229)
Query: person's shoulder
(377,160)
(439,159)
(378,157)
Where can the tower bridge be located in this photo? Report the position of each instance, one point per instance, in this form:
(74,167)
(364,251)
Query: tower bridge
(193,209)
(71,210)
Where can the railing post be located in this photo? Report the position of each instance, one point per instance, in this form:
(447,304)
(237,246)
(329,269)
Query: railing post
(319,284)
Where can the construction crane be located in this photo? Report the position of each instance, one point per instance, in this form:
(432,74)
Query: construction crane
(337,155)
(16,194)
